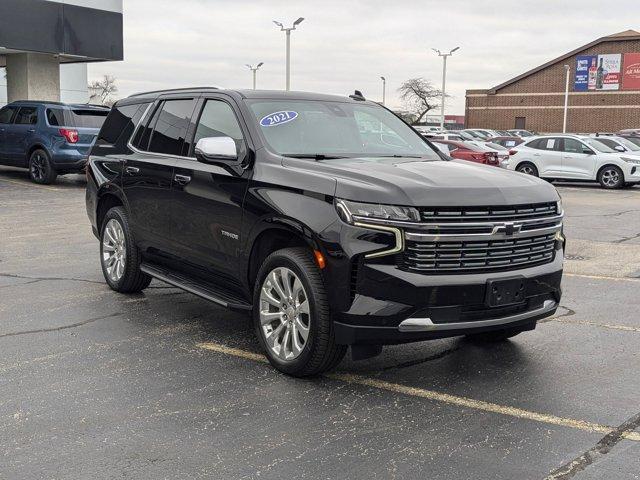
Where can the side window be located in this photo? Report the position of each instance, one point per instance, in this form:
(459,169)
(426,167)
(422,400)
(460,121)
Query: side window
(537,144)
(27,116)
(552,144)
(55,117)
(120,122)
(171,126)
(141,140)
(6,114)
(218,120)
(572,146)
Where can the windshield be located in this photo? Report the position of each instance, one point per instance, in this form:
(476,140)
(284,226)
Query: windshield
(312,128)
(88,118)
(629,145)
(599,146)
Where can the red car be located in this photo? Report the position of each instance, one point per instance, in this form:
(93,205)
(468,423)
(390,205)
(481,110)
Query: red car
(472,153)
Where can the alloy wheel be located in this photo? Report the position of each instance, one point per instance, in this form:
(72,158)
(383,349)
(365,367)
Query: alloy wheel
(114,250)
(285,317)
(610,177)
(38,166)
(527,169)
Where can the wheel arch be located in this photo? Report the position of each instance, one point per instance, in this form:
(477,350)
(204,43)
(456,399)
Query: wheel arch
(106,200)
(609,164)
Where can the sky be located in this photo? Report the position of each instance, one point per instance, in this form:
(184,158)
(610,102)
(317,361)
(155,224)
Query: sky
(346,45)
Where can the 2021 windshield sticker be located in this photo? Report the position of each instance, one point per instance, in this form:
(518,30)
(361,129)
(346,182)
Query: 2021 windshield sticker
(278,118)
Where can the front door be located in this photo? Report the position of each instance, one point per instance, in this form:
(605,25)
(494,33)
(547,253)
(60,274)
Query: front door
(148,173)
(6,116)
(17,135)
(207,205)
(578,160)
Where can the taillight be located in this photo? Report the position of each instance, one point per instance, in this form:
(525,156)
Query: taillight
(513,152)
(490,157)
(70,134)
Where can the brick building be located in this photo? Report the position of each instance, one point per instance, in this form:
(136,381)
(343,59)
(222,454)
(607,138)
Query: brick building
(535,99)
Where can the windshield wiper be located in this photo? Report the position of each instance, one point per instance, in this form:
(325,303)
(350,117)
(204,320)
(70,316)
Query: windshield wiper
(315,156)
(399,156)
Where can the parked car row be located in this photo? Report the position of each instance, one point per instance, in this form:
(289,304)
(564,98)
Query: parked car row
(48,138)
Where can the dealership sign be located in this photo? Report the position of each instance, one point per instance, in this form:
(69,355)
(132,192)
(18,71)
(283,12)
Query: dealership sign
(612,71)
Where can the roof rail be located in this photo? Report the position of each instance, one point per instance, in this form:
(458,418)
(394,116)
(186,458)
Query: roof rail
(168,90)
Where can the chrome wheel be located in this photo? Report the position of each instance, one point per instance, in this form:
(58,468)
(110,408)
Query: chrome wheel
(284,313)
(610,177)
(527,169)
(37,167)
(114,250)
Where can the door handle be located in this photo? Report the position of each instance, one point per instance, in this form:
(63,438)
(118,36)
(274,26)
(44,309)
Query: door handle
(131,170)
(182,179)
(536,154)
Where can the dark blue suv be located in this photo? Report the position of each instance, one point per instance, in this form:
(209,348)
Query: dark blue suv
(48,138)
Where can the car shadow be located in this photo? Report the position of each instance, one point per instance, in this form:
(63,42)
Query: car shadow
(21,175)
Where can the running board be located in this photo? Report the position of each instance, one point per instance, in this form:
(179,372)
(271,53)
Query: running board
(205,290)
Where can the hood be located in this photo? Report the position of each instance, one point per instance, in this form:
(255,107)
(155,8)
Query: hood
(412,182)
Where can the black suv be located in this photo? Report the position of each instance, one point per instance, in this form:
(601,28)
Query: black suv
(328,217)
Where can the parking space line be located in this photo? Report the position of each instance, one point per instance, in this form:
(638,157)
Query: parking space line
(625,328)
(25,184)
(437,396)
(602,277)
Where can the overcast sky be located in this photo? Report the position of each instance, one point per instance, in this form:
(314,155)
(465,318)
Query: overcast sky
(346,45)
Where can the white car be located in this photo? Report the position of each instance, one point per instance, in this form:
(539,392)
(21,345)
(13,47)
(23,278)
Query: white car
(574,157)
(427,129)
(620,144)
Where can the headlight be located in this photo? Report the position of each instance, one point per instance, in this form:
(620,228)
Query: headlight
(348,209)
(635,161)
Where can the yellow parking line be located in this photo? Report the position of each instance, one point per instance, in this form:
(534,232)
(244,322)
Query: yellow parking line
(596,324)
(602,277)
(26,184)
(438,396)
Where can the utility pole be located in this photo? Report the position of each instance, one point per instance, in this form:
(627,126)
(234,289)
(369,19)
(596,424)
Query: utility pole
(566,99)
(288,34)
(444,79)
(254,70)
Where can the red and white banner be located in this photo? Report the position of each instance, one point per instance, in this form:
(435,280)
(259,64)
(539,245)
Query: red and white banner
(631,71)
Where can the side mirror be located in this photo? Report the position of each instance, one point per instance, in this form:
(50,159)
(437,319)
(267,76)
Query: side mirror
(587,151)
(619,148)
(215,149)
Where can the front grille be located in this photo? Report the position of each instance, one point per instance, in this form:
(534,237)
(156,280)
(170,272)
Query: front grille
(489,214)
(474,256)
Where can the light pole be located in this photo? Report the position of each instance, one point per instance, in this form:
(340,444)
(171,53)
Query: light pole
(566,100)
(288,32)
(444,79)
(384,88)
(254,70)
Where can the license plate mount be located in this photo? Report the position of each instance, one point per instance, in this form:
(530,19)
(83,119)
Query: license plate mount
(506,291)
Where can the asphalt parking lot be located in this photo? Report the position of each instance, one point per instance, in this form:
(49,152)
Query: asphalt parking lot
(165,385)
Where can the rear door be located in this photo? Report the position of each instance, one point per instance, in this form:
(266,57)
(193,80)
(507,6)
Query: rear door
(207,198)
(88,123)
(578,161)
(548,156)
(148,172)
(18,133)
(6,117)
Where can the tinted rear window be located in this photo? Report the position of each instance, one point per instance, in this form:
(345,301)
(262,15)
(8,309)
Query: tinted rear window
(56,117)
(120,123)
(171,126)
(88,118)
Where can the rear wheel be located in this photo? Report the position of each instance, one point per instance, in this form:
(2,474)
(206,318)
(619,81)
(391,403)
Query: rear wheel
(40,168)
(611,177)
(119,255)
(291,314)
(527,168)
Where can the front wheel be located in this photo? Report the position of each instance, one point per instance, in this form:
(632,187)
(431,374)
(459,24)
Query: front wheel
(40,168)
(291,314)
(611,177)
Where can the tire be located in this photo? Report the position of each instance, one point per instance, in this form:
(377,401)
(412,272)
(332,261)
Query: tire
(527,168)
(496,336)
(304,357)
(123,273)
(610,177)
(40,169)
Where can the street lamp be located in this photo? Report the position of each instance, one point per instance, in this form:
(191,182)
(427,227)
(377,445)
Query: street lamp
(566,100)
(288,31)
(254,70)
(444,78)
(384,88)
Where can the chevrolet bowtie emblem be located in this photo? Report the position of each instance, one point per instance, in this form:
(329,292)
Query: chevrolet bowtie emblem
(508,228)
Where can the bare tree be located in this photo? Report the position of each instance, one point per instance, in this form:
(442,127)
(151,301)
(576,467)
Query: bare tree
(102,91)
(419,97)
